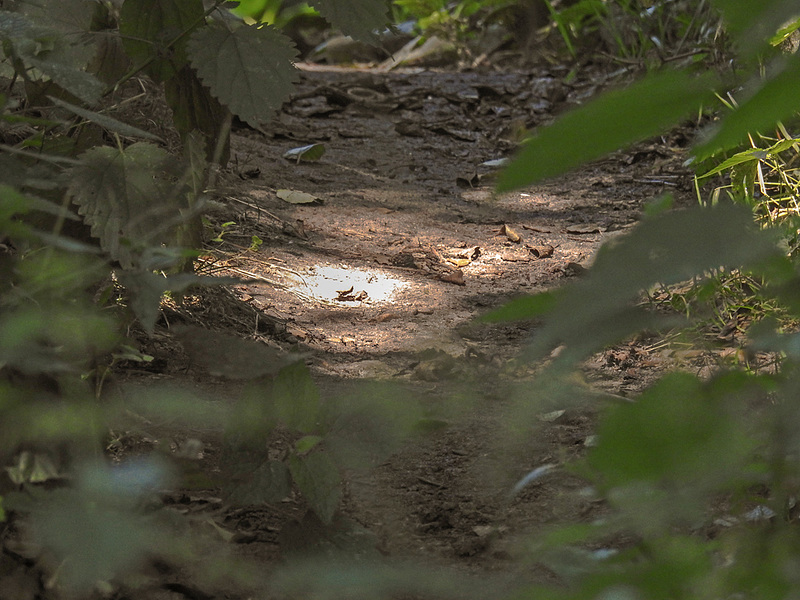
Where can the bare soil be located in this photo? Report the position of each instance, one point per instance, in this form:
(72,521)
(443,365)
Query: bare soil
(382,278)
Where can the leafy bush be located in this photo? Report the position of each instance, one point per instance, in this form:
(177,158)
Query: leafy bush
(700,475)
(98,220)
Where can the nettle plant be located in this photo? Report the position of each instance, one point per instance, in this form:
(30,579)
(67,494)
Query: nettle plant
(98,220)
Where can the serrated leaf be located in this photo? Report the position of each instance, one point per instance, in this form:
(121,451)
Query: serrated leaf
(319,480)
(125,196)
(311,152)
(356,18)
(68,16)
(51,53)
(249,69)
(296,398)
(148,27)
(105,121)
(610,122)
(297,197)
(250,481)
(110,62)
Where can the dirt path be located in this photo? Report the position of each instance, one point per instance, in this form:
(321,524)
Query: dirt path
(382,277)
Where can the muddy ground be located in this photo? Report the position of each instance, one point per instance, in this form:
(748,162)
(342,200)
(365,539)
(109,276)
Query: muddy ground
(380,276)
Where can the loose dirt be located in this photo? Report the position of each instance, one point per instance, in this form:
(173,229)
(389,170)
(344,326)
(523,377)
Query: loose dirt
(381,277)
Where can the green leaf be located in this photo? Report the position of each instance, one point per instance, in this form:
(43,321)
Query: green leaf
(318,479)
(126,197)
(525,307)
(678,430)
(368,423)
(52,53)
(305,444)
(356,18)
(296,398)
(250,481)
(774,101)
(249,69)
(96,526)
(752,24)
(599,310)
(613,121)
(750,155)
(68,16)
(148,27)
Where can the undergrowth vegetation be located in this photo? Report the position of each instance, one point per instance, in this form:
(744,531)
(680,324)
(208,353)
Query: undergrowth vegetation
(98,220)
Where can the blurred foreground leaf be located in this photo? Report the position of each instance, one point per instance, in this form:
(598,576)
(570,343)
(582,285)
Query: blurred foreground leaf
(599,310)
(613,121)
(318,479)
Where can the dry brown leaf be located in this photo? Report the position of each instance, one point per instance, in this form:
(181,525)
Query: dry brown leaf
(512,235)
(456,276)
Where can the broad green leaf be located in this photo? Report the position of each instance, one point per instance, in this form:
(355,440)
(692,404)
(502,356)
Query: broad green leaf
(775,100)
(318,479)
(126,197)
(599,310)
(106,122)
(68,16)
(57,57)
(75,81)
(250,481)
(296,398)
(356,18)
(368,423)
(612,121)
(525,307)
(249,69)
(148,27)
(311,152)
(679,430)
(97,525)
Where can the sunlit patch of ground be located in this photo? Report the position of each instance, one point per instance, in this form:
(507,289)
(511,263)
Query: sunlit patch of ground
(349,286)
